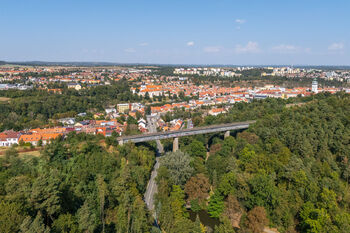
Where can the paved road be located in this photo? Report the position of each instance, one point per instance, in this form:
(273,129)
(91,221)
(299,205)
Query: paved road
(152,128)
(151,189)
(189,124)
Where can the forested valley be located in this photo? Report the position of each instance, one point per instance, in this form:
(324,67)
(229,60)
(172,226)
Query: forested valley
(289,172)
(79,184)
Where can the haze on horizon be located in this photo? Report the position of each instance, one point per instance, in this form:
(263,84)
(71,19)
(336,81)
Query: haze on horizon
(177,32)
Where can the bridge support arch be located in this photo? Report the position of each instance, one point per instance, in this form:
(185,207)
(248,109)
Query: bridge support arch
(175,144)
(227,134)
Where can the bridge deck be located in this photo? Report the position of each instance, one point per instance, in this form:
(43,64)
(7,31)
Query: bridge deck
(186,132)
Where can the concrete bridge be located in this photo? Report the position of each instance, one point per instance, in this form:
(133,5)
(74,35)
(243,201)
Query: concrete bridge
(185,132)
(152,186)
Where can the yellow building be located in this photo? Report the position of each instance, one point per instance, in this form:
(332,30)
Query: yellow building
(122,108)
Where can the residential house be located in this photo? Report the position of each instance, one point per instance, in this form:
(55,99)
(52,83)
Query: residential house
(32,138)
(9,138)
(142,123)
(123,108)
(216,111)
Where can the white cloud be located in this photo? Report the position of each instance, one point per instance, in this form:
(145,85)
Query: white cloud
(130,50)
(212,49)
(240,21)
(285,48)
(290,49)
(143,44)
(336,46)
(190,43)
(250,47)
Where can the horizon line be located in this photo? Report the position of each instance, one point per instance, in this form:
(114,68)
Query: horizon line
(32,63)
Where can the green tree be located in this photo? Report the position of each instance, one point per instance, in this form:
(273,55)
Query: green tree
(131,120)
(45,195)
(40,143)
(224,227)
(86,218)
(148,110)
(197,149)
(11,217)
(228,147)
(263,192)
(177,196)
(315,220)
(216,205)
(178,165)
(65,223)
(227,184)
(342,221)
(102,193)
(10,153)
(34,226)
(18,189)
(139,220)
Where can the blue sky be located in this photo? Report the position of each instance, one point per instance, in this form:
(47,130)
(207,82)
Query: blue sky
(307,32)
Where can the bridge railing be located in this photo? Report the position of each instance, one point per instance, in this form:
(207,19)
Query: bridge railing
(185,132)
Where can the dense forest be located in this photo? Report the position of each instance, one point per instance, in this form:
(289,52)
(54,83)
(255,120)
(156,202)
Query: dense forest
(290,171)
(80,184)
(33,108)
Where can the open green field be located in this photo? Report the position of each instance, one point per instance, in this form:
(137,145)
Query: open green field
(22,151)
(4,99)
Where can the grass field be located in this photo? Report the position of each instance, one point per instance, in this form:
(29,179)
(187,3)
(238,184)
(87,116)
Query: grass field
(4,99)
(31,153)
(21,152)
(3,149)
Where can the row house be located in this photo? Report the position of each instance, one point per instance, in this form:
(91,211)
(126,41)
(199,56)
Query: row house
(9,138)
(216,111)
(34,138)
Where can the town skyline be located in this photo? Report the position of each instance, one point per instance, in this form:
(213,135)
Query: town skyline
(106,63)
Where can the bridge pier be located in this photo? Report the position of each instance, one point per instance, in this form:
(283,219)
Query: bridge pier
(121,142)
(175,144)
(227,134)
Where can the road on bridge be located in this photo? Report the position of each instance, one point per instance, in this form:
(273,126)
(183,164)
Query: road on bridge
(185,132)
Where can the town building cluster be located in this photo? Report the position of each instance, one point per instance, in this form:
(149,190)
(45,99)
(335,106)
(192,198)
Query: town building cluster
(211,71)
(43,136)
(290,72)
(73,77)
(176,92)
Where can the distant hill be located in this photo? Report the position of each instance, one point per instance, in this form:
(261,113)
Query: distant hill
(91,64)
(44,63)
